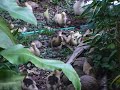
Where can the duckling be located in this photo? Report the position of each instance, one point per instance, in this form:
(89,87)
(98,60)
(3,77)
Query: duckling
(29,6)
(61,18)
(33,4)
(78,7)
(24,4)
(56,41)
(53,80)
(68,38)
(34,49)
(46,15)
(77,34)
(29,84)
(72,39)
(37,43)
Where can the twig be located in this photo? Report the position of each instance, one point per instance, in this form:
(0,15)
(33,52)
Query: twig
(79,50)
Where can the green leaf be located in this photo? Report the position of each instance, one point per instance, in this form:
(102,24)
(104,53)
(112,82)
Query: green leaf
(111,46)
(116,81)
(18,12)
(10,80)
(19,55)
(112,54)
(7,38)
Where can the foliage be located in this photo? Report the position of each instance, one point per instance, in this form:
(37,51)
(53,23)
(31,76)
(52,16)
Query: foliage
(55,2)
(104,17)
(116,82)
(17,54)
(104,22)
(6,35)
(18,12)
(10,80)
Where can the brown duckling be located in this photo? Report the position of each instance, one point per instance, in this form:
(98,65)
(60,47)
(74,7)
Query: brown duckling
(29,84)
(53,80)
(34,49)
(56,41)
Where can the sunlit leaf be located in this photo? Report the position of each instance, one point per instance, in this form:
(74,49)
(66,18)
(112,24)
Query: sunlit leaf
(18,12)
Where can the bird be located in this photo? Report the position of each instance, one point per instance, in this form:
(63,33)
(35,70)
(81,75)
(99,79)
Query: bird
(68,38)
(33,4)
(71,39)
(29,6)
(60,18)
(56,41)
(24,4)
(78,7)
(77,34)
(46,15)
(53,80)
(29,84)
(34,49)
(37,43)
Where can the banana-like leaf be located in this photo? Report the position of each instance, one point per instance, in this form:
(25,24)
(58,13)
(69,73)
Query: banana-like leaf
(18,12)
(10,80)
(19,55)
(7,38)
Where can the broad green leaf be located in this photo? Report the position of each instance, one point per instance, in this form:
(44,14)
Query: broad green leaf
(10,80)
(7,38)
(19,55)
(18,12)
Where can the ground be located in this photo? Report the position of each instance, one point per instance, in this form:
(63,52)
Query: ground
(46,50)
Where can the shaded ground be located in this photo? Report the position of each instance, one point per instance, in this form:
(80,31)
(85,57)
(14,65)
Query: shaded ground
(46,51)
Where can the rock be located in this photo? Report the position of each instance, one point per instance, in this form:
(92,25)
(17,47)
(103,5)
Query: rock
(87,82)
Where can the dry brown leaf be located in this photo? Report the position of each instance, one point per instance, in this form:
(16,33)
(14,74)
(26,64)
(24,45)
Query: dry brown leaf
(86,67)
